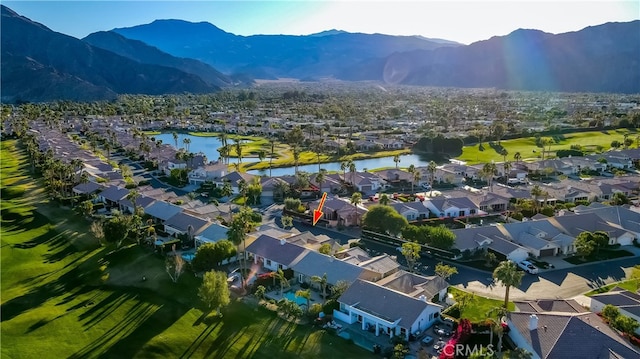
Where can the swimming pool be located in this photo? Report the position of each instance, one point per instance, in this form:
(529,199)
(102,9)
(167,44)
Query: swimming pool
(298,300)
(188,257)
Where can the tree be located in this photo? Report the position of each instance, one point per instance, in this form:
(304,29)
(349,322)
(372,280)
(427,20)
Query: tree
(619,199)
(445,271)
(210,255)
(431,169)
(441,237)
(520,353)
(396,159)
(97,231)
(325,249)
(610,312)
(340,287)
(255,191)
(287,221)
(356,199)
(400,351)
(508,274)
(536,192)
(584,244)
(323,282)
(279,275)
(306,294)
(489,258)
(384,199)
(635,274)
(86,208)
(517,156)
(174,266)
(117,229)
(384,219)
(411,252)
(214,291)
(487,172)
(506,168)
(626,324)
(260,291)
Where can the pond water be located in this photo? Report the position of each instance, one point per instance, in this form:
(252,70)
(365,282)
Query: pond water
(209,146)
(370,163)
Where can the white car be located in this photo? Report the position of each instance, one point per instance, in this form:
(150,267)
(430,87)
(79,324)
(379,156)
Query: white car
(528,267)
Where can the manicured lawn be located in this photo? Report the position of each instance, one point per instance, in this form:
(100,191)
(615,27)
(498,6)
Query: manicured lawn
(478,307)
(603,255)
(63,296)
(529,151)
(630,285)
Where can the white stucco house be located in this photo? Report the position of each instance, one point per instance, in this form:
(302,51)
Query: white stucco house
(368,303)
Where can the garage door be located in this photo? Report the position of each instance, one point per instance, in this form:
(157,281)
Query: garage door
(547,252)
(366,188)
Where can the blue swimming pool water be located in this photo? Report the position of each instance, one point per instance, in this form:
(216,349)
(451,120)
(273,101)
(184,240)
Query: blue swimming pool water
(188,257)
(299,300)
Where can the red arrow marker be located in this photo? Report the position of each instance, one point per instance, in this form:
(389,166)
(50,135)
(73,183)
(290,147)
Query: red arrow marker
(317,213)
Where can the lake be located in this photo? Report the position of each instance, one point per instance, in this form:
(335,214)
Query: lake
(209,146)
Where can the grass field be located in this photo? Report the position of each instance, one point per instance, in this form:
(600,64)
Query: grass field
(478,307)
(529,151)
(64,296)
(631,285)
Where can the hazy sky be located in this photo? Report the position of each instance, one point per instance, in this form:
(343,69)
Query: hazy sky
(462,21)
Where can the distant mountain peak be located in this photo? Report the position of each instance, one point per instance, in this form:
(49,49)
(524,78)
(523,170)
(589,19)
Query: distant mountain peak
(328,33)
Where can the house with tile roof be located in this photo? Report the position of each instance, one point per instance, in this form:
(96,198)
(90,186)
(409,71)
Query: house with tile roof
(183,223)
(273,253)
(112,195)
(367,303)
(412,211)
(451,207)
(627,302)
(489,238)
(434,288)
(161,211)
(617,216)
(313,263)
(563,331)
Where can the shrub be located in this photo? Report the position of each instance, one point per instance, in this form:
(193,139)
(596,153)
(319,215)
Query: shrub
(330,305)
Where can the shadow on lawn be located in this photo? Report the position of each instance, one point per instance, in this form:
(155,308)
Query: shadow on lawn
(148,317)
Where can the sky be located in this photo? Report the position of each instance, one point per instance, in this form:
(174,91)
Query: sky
(462,21)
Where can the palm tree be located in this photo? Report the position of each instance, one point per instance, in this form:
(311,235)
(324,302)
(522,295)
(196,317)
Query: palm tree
(536,192)
(431,168)
(133,196)
(520,353)
(186,141)
(323,281)
(517,156)
(416,179)
(488,171)
(343,166)
(494,319)
(306,294)
(175,138)
(320,178)
(296,157)
(272,142)
(279,275)
(238,147)
(384,199)
(508,274)
(352,170)
(227,191)
(506,168)
(396,159)
(356,199)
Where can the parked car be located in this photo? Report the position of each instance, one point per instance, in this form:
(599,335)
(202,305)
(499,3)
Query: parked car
(528,267)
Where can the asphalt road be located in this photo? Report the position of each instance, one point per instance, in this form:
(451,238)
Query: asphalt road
(558,283)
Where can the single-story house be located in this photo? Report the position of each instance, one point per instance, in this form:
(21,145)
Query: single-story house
(412,211)
(627,302)
(161,211)
(273,254)
(451,207)
(565,332)
(368,303)
(317,264)
(182,223)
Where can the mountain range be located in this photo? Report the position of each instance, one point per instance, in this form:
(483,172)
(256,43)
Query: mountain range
(175,56)
(39,64)
(271,56)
